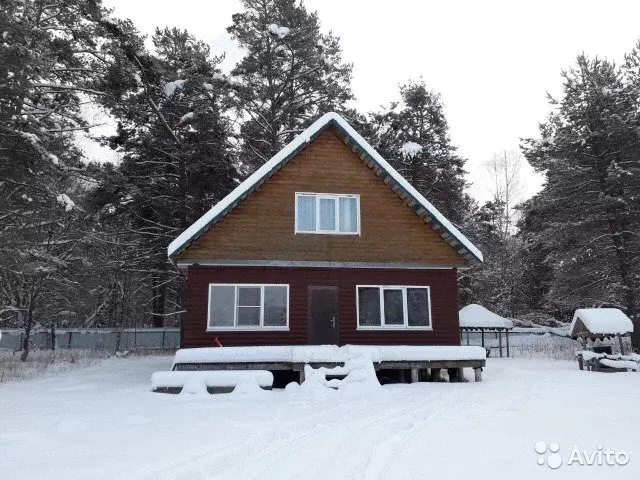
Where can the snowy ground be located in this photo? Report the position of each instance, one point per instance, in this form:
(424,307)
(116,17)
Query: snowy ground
(103,422)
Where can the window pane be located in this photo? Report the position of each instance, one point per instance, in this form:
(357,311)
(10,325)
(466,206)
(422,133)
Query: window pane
(306,213)
(418,307)
(249,296)
(348,214)
(275,306)
(222,305)
(249,316)
(327,214)
(393,312)
(369,306)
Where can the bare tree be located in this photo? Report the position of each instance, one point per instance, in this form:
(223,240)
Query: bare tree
(505,183)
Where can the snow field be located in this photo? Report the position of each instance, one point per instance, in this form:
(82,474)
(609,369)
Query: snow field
(104,422)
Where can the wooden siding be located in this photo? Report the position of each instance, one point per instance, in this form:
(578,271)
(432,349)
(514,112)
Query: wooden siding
(444,304)
(262,226)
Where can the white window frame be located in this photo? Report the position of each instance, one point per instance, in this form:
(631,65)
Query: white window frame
(247,328)
(336,198)
(383,326)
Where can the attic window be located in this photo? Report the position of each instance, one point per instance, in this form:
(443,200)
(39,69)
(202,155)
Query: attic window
(328,213)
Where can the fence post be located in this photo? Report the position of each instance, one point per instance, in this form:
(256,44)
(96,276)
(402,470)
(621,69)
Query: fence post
(70,339)
(164,332)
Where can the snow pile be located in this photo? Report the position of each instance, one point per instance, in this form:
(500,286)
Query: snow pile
(327,353)
(410,149)
(171,87)
(278,31)
(359,378)
(186,117)
(66,202)
(600,321)
(476,316)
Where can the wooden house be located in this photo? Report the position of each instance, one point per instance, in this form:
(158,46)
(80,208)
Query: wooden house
(324,244)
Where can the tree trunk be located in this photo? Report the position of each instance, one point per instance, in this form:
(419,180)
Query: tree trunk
(27,327)
(621,244)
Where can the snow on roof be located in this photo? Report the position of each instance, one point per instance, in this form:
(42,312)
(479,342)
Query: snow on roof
(451,234)
(599,321)
(476,316)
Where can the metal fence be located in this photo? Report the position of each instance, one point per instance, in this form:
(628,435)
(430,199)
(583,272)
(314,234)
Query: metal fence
(96,338)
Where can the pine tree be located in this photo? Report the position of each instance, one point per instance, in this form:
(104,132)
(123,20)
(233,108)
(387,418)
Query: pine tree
(590,205)
(291,74)
(175,138)
(413,135)
(49,60)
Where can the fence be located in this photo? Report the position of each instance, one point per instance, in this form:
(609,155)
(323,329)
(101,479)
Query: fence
(96,338)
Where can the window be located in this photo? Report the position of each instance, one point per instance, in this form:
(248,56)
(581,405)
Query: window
(248,307)
(393,307)
(327,213)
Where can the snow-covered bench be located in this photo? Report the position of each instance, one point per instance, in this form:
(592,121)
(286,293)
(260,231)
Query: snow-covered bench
(221,381)
(602,362)
(295,357)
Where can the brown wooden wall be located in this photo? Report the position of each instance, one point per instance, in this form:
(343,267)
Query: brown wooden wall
(262,226)
(444,304)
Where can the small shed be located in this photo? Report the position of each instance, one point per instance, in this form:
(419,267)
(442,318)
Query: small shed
(600,323)
(475,317)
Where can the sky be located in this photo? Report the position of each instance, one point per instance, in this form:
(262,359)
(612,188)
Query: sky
(493,62)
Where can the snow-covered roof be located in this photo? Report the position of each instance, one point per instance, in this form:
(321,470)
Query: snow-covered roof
(420,204)
(599,322)
(476,316)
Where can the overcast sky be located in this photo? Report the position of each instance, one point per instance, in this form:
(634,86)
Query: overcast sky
(492,61)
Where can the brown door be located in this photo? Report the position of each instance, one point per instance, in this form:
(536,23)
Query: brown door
(322,316)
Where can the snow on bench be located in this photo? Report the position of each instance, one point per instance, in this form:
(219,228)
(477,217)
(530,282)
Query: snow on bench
(303,354)
(211,381)
(593,360)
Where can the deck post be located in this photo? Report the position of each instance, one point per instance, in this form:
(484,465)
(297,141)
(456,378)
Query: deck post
(507,336)
(500,341)
(468,332)
(415,375)
(621,345)
(482,333)
(477,372)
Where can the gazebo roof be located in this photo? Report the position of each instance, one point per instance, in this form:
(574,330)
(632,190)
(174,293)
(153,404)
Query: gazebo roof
(599,322)
(475,316)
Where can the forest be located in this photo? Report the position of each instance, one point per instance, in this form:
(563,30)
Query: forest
(83,242)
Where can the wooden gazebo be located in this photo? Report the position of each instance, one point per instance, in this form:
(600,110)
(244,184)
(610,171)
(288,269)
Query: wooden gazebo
(476,318)
(599,324)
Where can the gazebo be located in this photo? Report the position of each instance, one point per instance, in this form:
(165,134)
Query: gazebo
(599,324)
(476,318)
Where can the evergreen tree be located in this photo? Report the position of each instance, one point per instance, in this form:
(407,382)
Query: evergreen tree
(49,60)
(175,138)
(291,74)
(413,135)
(590,205)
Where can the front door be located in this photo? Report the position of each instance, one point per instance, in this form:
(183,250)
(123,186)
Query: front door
(322,316)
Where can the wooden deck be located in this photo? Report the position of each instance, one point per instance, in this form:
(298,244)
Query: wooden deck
(454,367)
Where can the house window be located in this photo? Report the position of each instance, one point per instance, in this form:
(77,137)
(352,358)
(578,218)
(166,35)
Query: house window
(248,307)
(393,307)
(327,213)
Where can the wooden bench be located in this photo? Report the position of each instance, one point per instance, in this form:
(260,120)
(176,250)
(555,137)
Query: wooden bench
(212,381)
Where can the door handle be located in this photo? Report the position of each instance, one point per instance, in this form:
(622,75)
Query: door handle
(333,322)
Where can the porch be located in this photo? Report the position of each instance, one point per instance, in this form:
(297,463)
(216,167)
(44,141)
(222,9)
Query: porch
(404,362)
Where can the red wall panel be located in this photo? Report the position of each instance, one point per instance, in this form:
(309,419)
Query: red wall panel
(444,304)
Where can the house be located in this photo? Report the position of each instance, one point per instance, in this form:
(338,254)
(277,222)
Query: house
(324,244)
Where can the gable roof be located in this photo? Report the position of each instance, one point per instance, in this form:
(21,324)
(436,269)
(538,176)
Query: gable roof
(421,206)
